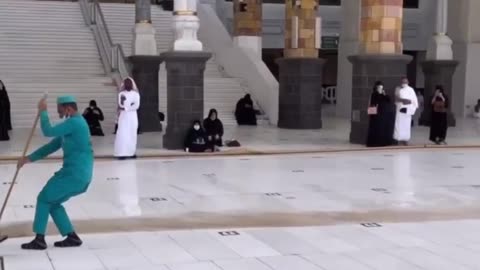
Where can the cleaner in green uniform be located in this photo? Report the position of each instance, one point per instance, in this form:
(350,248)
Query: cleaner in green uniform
(73,136)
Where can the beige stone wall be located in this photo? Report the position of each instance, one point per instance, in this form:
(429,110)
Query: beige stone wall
(381,27)
(306,14)
(249,21)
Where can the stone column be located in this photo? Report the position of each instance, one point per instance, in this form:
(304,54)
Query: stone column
(185,73)
(300,93)
(145,73)
(348,45)
(185,67)
(380,58)
(247,25)
(144,42)
(439,66)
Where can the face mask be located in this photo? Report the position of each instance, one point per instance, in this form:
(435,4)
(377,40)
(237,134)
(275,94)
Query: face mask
(196,127)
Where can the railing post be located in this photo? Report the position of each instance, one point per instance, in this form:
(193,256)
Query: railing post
(94,13)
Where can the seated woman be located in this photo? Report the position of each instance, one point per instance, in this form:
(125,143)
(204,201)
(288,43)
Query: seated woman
(214,129)
(245,113)
(94,115)
(196,140)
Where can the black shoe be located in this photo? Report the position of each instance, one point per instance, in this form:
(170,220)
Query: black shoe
(72,240)
(36,244)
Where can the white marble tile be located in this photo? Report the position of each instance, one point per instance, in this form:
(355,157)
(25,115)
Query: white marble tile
(74,259)
(283,241)
(195,266)
(426,259)
(245,245)
(122,257)
(379,260)
(322,240)
(37,261)
(242,264)
(160,249)
(203,246)
(335,262)
(289,263)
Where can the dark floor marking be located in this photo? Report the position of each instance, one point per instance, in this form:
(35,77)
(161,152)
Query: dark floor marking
(168,161)
(273,194)
(113,178)
(298,171)
(290,198)
(8,183)
(228,233)
(377,169)
(29,206)
(458,167)
(389,155)
(371,225)
(380,190)
(156,199)
(244,159)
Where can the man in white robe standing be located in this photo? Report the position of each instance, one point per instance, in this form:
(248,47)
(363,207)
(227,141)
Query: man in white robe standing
(126,137)
(407,103)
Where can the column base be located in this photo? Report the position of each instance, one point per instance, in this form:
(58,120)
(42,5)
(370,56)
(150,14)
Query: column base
(438,72)
(144,42)
(367,69)
(300,93)
(249,43)
(185,73)
(145,73)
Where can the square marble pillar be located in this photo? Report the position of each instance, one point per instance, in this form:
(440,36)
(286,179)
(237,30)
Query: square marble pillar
(145,73)
(438,72)
(367,69)
(185,103)
(300,93)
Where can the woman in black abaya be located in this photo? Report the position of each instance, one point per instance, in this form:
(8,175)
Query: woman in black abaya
(5,119)
(382,119)
(244,112)
(438,123)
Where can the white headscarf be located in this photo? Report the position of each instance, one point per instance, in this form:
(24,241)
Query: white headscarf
(134,85)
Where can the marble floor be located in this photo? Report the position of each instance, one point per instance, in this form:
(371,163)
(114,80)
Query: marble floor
(408,209)
(263,139)
(386,246)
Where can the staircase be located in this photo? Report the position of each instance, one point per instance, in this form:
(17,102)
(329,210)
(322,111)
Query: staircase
(46,47)
(221,91)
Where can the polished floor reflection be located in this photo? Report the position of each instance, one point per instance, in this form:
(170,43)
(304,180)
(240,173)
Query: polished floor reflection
(365,210)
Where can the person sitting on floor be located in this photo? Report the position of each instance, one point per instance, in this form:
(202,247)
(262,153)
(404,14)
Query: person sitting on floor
(214,129)
(94,115)
(196,140)
(245,113)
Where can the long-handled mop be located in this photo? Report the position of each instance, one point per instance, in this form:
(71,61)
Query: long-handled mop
(27,145)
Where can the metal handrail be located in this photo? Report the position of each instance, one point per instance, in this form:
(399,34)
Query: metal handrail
(112,54)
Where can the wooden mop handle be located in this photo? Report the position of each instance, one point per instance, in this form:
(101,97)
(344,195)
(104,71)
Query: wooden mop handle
(25,149)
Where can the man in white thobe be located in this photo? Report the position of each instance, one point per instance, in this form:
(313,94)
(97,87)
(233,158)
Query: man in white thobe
(406,103)
(126,137)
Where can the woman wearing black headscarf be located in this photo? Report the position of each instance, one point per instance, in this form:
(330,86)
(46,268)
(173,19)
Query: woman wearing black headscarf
(438,122)
(380,128)
(196,140)
(245,113)
(5,118)
(214,129)
(93,114)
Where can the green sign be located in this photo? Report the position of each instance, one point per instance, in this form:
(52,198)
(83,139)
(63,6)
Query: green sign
(330,42)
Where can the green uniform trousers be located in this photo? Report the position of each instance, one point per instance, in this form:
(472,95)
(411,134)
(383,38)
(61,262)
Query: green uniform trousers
(59,189)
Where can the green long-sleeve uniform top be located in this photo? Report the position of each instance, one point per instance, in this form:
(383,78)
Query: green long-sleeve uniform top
(73,136)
